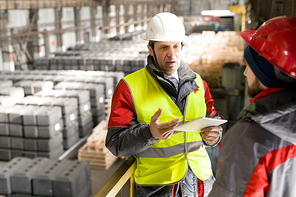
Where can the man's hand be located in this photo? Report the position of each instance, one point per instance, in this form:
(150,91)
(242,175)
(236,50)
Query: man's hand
(162,130)
(210,134)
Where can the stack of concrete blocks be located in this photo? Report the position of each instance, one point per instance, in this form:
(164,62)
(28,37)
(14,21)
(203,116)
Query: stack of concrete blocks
(84,119)
(124,56)
(69,110)
(45,177)
(30,131)
(31,87)
(96,97)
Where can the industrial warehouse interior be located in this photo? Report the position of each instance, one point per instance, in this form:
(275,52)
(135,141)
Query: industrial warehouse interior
(60,63)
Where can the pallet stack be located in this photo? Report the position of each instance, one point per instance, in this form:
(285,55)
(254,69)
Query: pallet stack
(94,151)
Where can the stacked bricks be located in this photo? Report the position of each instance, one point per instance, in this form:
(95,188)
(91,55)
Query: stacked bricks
(44,177)
(122,56)
(82,96)
(69,110)
(30,131)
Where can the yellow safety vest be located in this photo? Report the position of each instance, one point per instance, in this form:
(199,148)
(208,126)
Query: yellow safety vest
(166,161)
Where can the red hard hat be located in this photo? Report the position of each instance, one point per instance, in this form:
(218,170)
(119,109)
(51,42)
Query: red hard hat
(275,40)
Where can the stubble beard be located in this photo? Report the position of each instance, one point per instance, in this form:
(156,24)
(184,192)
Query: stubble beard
(254,88)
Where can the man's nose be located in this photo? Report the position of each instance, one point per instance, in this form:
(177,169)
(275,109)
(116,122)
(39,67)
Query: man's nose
(171,51)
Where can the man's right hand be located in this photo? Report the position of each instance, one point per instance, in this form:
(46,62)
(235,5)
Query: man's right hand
(162,130)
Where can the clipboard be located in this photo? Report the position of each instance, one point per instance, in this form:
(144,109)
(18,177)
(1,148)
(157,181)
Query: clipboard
(199,123)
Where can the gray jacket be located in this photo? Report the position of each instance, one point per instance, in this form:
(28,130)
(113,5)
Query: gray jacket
(258,154)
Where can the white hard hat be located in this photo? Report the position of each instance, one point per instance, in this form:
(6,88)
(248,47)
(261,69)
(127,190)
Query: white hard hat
(165,27)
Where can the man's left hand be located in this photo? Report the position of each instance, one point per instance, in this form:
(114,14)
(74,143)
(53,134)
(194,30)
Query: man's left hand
(210,134)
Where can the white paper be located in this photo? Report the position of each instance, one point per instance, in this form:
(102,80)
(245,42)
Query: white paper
(199,123)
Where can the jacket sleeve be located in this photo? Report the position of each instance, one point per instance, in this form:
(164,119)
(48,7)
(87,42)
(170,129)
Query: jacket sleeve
(211,111)
(125,135)
(210,102)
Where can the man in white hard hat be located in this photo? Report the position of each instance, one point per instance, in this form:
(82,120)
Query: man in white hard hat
(149,104)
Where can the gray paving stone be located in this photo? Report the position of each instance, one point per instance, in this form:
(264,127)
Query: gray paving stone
(72,180)
(50,144)
(17,153)
(30,131)
(3,114)
(43,182)
(48,115)
(53,154)
(17,143)
(70,117)
(30,144)
(86,129)
(16,130)
(85,118)
(21,179)
(4,129)
(5,142)
(51,130)
(70,141)
(5,154)
(7,170)
(70,129)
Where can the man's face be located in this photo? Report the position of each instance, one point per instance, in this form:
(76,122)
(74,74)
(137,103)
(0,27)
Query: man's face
(254,85)
(168,55)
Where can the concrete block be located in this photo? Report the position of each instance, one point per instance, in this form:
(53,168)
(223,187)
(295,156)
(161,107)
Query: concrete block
(3,114)
(108,83)
(16,130)
(50,144)
(48,115)
(85,118)
(97,112)
(43,182)
(70,117)
(5,154)
(30,154)
(30,132)
(14,115)
(98,103)
(86,129)
(17,143)
(7,170)
(30,144)
(70,129)
(82,96)
(15,92)
(86,190)
(70,141)
(4,129)
(21,179)
(84,107)
(72,180)
(29,115)
(51,130)
(5,142)
(17,153)
(67,104)
(53,154)
(95,90)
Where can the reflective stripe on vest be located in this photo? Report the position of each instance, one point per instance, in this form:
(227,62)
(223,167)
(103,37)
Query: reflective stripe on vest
(166,161)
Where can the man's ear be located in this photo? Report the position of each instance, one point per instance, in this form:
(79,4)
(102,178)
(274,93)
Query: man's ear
(150,50)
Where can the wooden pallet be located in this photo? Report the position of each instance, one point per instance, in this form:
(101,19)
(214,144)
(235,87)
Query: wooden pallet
(94,150)
(97,159)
